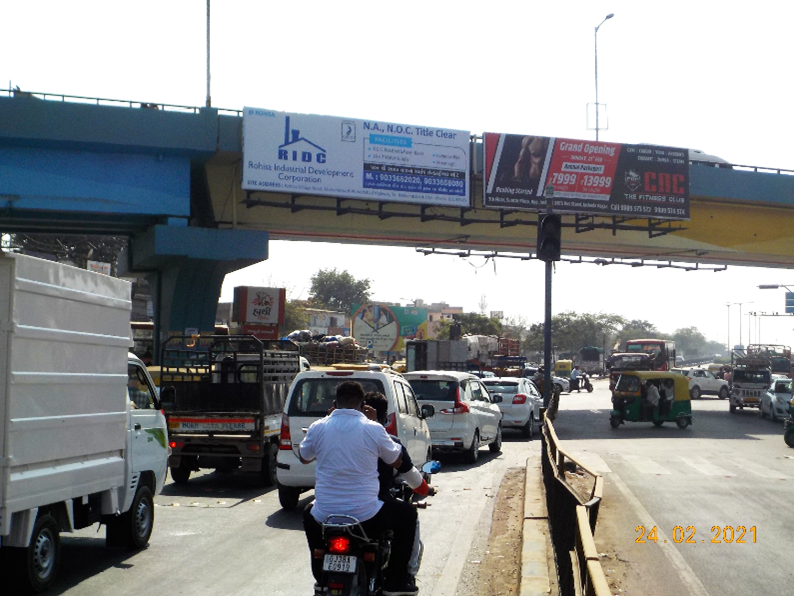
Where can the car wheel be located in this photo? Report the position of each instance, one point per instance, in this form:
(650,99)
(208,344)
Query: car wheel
(288,496)
(772,413)
(559,387)
(472,452)
(723,394)
(694,393)
(761,411)
(496,446)
(529,428)
(789,437)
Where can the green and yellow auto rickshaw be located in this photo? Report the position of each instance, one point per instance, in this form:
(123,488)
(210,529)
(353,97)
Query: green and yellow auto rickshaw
(636,391)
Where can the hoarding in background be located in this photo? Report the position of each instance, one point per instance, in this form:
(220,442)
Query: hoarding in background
(588,177)
(385,328)
(259,305)
(356,159)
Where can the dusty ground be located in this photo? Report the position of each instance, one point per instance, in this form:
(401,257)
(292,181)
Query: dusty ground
(500,567)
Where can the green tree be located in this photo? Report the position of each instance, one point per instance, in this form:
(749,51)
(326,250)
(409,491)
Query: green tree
(473,324)
(338,290)
(690,342)
(636,329)
(295,317)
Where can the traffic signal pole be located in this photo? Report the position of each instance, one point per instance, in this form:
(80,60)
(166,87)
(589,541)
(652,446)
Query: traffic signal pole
(549,244)
(547,339)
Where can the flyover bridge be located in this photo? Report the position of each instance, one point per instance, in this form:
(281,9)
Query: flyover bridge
(170,178)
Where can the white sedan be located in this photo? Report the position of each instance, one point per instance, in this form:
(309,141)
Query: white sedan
(520,403)
(775,402)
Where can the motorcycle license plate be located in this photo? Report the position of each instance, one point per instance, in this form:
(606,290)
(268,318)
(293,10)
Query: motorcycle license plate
(339,563)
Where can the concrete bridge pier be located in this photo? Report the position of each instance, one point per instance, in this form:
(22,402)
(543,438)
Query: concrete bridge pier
(186,266)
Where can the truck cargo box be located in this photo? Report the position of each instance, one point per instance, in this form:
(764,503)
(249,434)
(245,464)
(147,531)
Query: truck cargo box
(64,339)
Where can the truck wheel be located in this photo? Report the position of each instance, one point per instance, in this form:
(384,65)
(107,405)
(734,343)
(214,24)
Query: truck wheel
(732,408)
(41,556)
(180,475)
(789,437)
(288,496)
(134,527)
(269,465)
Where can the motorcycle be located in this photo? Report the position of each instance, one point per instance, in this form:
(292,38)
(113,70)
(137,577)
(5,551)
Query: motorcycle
(584,383)
(354,563)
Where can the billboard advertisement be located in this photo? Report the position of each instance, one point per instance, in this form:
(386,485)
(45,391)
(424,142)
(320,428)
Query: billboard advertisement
(385,328)
(355,159)
(588,177)
(259,305)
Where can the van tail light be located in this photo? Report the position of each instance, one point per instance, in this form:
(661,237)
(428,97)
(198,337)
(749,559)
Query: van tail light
(391,424)
(339,545)
(460,407)
(519,398)
(284,439)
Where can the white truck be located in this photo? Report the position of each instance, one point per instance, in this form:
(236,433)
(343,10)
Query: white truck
(752,378)
(82,437)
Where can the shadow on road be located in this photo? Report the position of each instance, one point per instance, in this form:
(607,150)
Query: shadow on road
(83,558)
(706,424)
(236,485)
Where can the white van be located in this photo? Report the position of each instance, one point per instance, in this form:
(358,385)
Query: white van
(311,396)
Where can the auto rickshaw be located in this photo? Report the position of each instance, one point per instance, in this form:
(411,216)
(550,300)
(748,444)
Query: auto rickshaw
(562,368)
(630,402)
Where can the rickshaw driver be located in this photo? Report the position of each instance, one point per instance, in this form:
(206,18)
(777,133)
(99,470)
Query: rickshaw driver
(669,396)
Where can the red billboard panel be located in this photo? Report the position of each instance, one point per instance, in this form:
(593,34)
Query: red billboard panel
(588,177)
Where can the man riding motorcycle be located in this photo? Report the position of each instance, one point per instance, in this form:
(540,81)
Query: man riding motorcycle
(347,446)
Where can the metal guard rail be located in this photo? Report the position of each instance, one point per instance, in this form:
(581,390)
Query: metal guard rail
(578,563)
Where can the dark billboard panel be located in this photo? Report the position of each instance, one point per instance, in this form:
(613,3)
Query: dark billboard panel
(588,177)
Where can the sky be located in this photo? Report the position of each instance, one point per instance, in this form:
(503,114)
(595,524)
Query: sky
(705,75)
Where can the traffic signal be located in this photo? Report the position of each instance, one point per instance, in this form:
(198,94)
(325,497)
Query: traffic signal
(549,237)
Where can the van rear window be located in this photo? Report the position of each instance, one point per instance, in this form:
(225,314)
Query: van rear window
(315,396)
(427,390)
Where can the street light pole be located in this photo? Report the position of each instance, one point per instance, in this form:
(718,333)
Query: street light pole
(609,16)
(730,349)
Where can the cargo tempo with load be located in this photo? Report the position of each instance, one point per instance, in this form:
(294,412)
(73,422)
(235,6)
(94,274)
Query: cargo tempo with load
(82,438)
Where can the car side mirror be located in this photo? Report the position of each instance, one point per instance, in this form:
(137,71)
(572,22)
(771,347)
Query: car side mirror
(167,395)
(428,411)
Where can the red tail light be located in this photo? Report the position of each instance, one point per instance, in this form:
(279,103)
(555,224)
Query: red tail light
(284,439)
(175,444)
(460,407)
(391,424)
(340,373)
(339,545)
(519,398)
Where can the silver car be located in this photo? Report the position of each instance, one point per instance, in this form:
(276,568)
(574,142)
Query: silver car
(775,402)
(520,403)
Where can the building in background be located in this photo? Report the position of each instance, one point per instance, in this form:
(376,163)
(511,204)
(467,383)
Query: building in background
(327,322)
(437,312)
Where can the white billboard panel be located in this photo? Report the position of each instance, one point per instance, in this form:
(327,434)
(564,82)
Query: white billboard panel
(356,159)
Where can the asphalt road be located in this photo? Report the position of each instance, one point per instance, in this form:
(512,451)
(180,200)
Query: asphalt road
(723,472)
(224,535)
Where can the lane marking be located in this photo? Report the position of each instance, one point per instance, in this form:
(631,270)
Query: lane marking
(757,469)
(447,584)
(705,467)
(592,461)
(684,571)
(645,465)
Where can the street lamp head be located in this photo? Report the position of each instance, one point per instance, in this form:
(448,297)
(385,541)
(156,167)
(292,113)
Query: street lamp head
(610,15)
(768,287)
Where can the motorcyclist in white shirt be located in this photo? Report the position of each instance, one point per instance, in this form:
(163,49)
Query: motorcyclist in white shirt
(347,446)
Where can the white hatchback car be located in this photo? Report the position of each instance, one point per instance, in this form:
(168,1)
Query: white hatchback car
(520,403)
(702,380)
(466,416)
(310,397)
(775,402)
